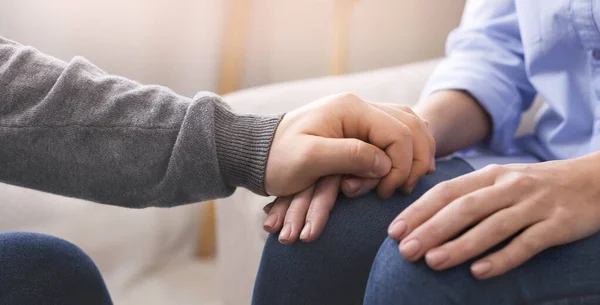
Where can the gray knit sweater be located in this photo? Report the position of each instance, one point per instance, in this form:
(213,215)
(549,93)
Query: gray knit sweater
(71,129)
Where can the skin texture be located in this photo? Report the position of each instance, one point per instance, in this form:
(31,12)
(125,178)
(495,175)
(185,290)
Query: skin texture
(442,114)
(447,112)
(342,134)
(539,206)
(394,132)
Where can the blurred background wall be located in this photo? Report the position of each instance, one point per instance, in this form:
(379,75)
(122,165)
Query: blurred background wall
(178,43)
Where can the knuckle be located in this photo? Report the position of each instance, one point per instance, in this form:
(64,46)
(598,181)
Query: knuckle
(468,206)
(315,214)
(566,216)
(420,166)
(349,95)
(443,190)
(420,169)
(505,259)
(531,244)
(416,212)
(520,180)
(494,169)
(412,121)
(466,246)
(294,209)
(433,236)
(357,152)
(563,232)
(347,98)
(291,213)
(406,109)
(405,132)
(432,143)
(504,227)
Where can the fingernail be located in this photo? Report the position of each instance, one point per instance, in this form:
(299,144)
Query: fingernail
(410,247)
(270,221)
(352,185)
(397,228)
(437,257)
(284,235)
(426,123)
(267,208)
(411,187)
(305,232)
(481,268)
(380,166)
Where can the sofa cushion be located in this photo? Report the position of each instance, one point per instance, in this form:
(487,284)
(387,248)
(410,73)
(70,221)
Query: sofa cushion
(124,243)
(399,85)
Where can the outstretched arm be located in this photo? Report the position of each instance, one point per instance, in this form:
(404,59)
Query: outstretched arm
(72,129)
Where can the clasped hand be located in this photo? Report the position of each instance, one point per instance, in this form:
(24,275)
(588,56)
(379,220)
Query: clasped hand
(401,141)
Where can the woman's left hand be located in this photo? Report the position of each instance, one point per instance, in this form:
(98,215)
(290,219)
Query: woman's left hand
(540,205)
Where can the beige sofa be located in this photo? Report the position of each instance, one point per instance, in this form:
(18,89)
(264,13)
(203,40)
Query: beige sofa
(146,256)
(240,217)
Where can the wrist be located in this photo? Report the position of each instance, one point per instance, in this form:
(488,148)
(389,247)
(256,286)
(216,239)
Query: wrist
(433,109)
(447,111)
(243,143)
(587,167)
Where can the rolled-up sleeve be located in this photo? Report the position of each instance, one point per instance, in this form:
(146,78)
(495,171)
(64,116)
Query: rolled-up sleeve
(484,56)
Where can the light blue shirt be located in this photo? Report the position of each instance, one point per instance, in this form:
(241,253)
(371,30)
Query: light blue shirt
(507,51)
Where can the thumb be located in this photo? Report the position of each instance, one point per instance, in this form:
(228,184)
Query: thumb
(350,156)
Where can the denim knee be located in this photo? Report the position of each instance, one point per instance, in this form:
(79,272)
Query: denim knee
(333,269)
(41,269)
(394,280)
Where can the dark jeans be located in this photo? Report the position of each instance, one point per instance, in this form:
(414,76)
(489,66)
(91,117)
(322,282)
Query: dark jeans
(353,262)
(41,269)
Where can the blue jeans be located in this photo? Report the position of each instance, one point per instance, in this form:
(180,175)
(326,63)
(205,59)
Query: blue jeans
(41,269)
(355,263)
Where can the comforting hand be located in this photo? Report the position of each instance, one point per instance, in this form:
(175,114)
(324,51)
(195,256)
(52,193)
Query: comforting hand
(342,134)
(534,206)
(304,215)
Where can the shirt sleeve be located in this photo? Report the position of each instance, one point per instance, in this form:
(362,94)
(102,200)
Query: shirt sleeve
(484,56)
(74,130)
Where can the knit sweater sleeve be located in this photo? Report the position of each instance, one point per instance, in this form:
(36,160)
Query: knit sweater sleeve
(73,130)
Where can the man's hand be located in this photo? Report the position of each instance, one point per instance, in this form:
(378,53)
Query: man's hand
(318,129)
(540,205)
(342,134)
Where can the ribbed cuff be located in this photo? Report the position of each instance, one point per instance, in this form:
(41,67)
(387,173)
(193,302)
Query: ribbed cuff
(243,143)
